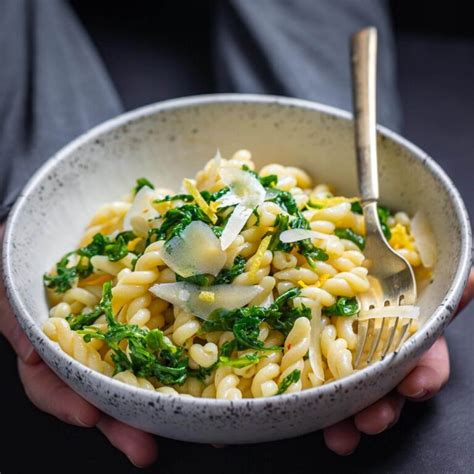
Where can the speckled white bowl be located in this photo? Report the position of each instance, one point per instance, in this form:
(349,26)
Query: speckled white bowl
(171,140)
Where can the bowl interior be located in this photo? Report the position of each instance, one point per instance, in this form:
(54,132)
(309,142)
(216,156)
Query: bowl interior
(168,142)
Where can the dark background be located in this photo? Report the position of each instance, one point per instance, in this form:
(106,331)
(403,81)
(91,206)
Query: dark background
(435,42)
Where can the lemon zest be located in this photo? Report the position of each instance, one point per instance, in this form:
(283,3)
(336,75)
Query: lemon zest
(133,243)
(207,296)
(401,239)
(322,279)
(191,189)
(258,257)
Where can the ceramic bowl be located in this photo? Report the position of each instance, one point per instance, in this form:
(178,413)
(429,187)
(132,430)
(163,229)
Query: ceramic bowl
(171,140)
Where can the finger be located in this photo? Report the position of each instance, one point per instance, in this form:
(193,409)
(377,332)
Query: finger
(430,375)
(468,294)
(138,446)
(381,415)
(10,328)
(52,395)
(342,438)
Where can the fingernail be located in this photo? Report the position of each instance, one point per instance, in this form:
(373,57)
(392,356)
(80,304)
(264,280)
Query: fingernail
(382,430)
(420,394)
(30,356)
(348,453)
(81,422)
(135,464)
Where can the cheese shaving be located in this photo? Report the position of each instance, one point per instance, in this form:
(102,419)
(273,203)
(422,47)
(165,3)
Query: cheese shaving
(404,311)
(295,235)
(424,239)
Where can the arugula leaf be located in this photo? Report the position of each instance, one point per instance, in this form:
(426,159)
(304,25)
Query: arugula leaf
(199,280)
(291,378)
(227,275)
(150,352)
(268,181)
(240,362)
(384,214)
(244,322)
(141,183)
(176,220)
(114,249)
(311,253)
(64,278)
(281,224)
(84,319)
(349,234)
(175,197)
(201,373)
(281,316)
(118,249)
(342,307)
(356,207)
(246,332)
(287,202)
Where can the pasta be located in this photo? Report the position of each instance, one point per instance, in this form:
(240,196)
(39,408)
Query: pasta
(262,301)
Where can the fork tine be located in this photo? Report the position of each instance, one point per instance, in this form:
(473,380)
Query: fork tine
(402,337)
(376,341)
(362,333)
(390,338)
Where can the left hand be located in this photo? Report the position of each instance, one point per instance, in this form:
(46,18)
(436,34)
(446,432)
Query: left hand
(423,382)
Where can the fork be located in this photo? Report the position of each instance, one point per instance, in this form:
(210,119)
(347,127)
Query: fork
(392,278)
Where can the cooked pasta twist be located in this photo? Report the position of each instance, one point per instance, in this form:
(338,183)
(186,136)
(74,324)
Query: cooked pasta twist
(338,356)
(296,347)
(132,284)
(226,384)
(58,330)
(130,379)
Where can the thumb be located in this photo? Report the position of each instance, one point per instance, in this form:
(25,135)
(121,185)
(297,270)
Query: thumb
(10,328)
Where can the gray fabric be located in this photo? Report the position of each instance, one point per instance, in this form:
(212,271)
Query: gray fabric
(300,48)
(53,87)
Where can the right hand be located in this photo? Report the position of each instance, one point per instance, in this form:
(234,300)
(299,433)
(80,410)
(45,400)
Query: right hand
(51,395)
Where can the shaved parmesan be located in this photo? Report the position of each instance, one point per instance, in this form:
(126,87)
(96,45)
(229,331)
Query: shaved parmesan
(246,191)
(141,211)
(235,224)
(406,311)
(295,235)
(424,239)
(225,296)
(195,251)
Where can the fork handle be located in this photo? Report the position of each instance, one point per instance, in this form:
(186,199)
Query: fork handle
(364,63)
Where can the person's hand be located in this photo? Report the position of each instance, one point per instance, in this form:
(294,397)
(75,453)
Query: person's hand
(425,381)
(53,396)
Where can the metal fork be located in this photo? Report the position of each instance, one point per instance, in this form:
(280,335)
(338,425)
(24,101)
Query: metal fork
(392,278)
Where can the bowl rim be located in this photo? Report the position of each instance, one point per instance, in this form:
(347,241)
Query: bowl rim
(434,324)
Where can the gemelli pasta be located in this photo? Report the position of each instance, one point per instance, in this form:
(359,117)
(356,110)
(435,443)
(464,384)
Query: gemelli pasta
(244,284)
